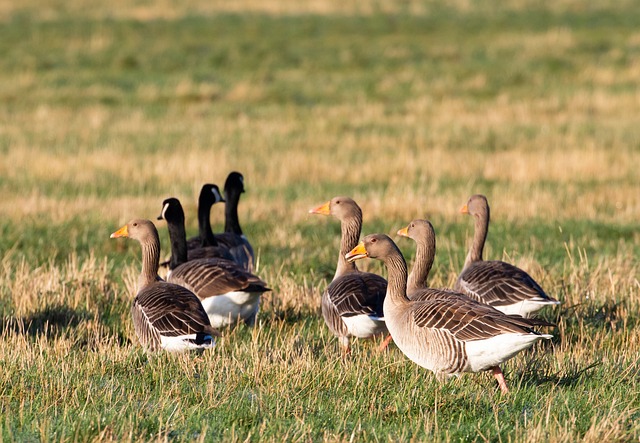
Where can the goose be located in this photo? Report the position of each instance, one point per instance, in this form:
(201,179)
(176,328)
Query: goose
(228,292)
(352,303)
(209,196)
(447,336)
(165,315)
(234,240)
(233,236)
(496,283)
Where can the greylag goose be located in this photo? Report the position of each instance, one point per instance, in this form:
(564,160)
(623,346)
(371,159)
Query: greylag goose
(165,315)
(422,232)
(352,303)
(448,336)
(234,240)
(228,292)
(496,283)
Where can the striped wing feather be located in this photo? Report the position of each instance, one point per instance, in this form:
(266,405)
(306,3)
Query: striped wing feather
(467,321)
(424,294)
(209,277)
(165,309)
(357,293)
(498,283)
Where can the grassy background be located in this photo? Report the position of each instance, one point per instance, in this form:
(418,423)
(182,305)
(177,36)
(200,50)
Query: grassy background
(107,108)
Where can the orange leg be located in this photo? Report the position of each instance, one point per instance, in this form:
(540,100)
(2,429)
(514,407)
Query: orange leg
(345,344)
(385,343)
(497,373)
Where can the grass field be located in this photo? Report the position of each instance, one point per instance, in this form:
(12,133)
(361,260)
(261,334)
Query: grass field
(107,108)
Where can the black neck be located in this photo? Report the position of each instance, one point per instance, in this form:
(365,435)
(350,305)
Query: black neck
(231,222)
(204,225)
(178,237)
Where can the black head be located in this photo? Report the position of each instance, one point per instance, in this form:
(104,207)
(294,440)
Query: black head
(172,211)
(235,182)
(210,195)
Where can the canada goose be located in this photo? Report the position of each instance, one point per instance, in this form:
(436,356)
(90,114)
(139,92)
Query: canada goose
(233,236)
(447,336)
(496,283)
(234,240)
(227,291)
(165,316)
(352,303)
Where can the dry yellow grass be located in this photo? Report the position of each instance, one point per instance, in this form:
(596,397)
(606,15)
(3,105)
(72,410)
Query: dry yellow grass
(558,160)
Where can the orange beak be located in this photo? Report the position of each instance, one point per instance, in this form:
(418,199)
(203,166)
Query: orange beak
(324,209)
(122,232)
(464,210)
(404,232)
(357,253)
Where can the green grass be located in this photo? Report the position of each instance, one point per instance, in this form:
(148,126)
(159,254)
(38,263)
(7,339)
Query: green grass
(407,107)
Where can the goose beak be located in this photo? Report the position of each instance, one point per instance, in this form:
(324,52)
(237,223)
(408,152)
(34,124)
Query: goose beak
(324,209)
(357,253)
(464,209)
(404,232)
(122,232)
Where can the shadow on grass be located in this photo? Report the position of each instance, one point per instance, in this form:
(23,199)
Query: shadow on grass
(608,315)
(570,376)
(58,321)
(51,321)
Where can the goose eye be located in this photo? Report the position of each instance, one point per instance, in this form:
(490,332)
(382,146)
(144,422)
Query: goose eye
(135,224)
(373,240)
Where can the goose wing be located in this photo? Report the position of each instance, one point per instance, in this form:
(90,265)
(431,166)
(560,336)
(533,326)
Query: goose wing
(239,247)
(209,277)
(165,309)
(498,283)
(358,293)
(467,321)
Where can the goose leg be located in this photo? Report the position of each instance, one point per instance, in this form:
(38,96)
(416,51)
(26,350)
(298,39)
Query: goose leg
(385,343)
(497,373)
(345,345)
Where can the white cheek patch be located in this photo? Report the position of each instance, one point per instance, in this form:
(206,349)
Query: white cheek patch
(164,210)
(216,194)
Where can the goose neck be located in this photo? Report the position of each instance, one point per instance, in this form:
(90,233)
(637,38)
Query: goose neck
(349,239)
(231,221)
(178,237)
(396,279)
(150,261)
(481,228)
(425,254)
(204,225)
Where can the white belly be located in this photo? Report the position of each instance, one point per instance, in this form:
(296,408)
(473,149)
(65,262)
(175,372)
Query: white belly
(485,354)
(181,343)
(365,326)
(228,309)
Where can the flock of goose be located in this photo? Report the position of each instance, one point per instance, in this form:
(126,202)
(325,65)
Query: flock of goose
(486,319)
